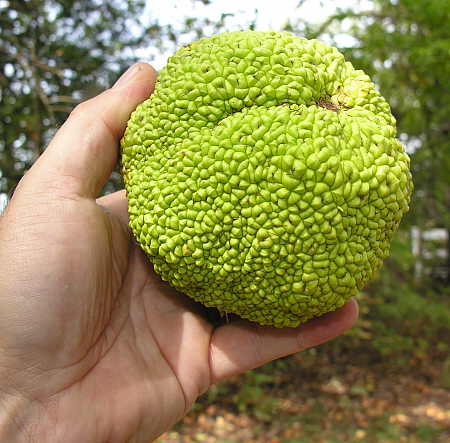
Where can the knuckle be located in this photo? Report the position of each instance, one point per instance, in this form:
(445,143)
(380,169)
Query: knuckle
(80,109)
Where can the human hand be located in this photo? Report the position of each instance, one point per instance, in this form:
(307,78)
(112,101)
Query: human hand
(93,346)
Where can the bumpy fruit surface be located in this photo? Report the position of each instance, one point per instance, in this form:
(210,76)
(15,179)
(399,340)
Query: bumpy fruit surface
(264,177)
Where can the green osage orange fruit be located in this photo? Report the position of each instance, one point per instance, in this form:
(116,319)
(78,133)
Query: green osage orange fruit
(264,176)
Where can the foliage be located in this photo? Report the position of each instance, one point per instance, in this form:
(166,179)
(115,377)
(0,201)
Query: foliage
(55,54)
(409,325)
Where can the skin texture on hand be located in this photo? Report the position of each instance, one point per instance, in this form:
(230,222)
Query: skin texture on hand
(94,347)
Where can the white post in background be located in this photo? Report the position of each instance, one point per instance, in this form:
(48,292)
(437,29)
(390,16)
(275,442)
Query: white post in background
(416,246)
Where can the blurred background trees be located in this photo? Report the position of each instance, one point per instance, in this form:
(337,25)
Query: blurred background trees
(56,53)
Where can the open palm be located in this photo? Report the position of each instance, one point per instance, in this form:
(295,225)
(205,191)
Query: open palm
(94,346)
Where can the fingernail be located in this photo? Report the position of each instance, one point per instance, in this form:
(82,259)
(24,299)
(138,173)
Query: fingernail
(127,76)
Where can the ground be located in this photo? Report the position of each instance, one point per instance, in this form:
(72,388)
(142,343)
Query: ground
(329,394)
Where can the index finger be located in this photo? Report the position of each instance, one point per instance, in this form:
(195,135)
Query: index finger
(240,346)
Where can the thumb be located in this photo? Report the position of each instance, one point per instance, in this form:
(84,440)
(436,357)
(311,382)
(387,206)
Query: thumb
(83,153)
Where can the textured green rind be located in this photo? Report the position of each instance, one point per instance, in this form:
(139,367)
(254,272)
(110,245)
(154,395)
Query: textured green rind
(264,177)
